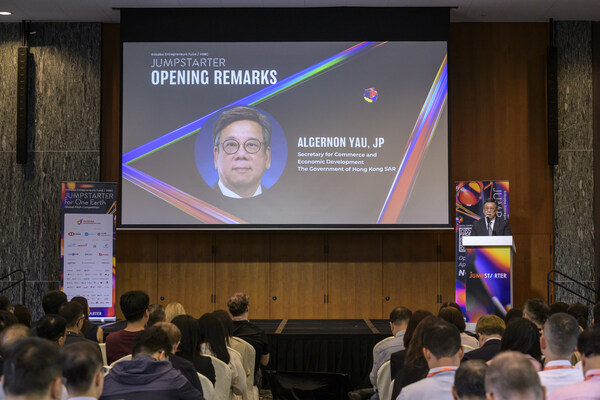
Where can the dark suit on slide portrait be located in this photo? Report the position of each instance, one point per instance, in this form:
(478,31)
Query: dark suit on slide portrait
(501,228)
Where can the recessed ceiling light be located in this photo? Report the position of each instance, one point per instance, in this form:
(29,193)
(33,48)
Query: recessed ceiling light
(5,13)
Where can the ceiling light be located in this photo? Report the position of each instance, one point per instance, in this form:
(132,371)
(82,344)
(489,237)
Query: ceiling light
(5,13)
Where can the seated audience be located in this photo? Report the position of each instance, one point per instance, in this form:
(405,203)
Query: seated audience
(511,376)
(134,306)
(52,327)
(537,311)
(172,310)
(558,342)
(22,314)
(189,346)
(184,366)
(489,329)
(524,336)
(512,313)
(156,315)
(236,344)
(469,381)
(89,329)
(10,335)
(558,306)
(7,319)
(5,303)
(443,351)
(32,370)
(580,312)
(588,345)
(409,366)
(239,307)
(212,336)
(72,312)
(148,375)
(454,316)
(82,370)
(52,301)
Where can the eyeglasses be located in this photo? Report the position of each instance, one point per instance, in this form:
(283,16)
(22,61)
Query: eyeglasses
(231,146)
(492,208)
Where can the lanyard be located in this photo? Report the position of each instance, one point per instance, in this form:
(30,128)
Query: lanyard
(558,367)
(589,376)
(429,375)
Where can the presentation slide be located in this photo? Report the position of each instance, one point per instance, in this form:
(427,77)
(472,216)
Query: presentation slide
(285,134)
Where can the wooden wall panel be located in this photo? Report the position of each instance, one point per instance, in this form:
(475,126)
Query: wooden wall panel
(447,265)
(297,275)
(111,95)
(242,265)
(186,271)
(535,252)
(354,274)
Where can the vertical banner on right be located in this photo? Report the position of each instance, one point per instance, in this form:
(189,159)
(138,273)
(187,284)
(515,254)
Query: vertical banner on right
(483,281)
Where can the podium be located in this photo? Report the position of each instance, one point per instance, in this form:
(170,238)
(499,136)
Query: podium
(488,277)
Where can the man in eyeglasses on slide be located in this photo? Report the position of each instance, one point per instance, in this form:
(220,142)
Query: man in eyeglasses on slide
(242,138)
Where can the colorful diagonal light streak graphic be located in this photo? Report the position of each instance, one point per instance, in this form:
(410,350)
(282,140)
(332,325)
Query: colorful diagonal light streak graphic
(253,99)
(417,145)
(197,208)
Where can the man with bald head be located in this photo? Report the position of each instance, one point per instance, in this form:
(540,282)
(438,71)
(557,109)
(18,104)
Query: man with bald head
(511,376)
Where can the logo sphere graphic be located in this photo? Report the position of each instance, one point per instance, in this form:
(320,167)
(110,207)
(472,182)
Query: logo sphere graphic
(370,95)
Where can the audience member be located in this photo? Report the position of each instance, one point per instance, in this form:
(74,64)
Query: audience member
(239,306)
(558,342)
(148,375)
(537,311)
(443,351)
(134,306)
(411,365)
(184,366)
(513,313)
(172,310)
(511,376)
(52,301)
(455,317)
(189,346)
(558,306)
(581,313)
(237,344)
(524,336)
(588,345)
(469,381)
(212,336)
(5,303)
(156,314)
(489,329)
(89,329)
(7,319)
(22,314)
(82,370)
(72,312)
(32,370)
(10,335)
(52,327)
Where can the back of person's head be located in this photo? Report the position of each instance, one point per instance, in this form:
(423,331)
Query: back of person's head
(22,314)
(225,319)
(558,306)
(52,327)
(52,301)
(588,342)
(134,305)
(512,376)
(214,336)
(596,314)
(171,330)
(489,325)
(469,381)
(452,304)
(7,319)
(32,368)
(513,313)
(561,331)
(152,340)
(400,315)
(157,314)
(414,351)
(81,364)
(4,303)
(11,334)
(172,310)
(581,313)
(454,317)
(536,310)
(84,304)
(522,335)
(413,322)
(442,340)
(238,304)
(190,336)
(72,312)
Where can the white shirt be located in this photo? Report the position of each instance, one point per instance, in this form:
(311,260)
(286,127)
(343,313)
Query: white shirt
(438,386)
(229,193)
(553,377)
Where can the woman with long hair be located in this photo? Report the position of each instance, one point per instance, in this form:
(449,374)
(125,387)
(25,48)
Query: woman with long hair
(189,347)
(172,310)
(524,336)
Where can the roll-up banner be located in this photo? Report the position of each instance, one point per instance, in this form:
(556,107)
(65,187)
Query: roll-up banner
(87,246)
(485,288)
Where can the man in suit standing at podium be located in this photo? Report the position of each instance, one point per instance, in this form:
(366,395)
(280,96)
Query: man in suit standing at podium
(490,225)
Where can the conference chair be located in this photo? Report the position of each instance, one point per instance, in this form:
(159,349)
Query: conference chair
(248,354)
(222,380)
(381,342)
(124,358)
(309,385)
(208,390)
(103,350)
(384,378)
